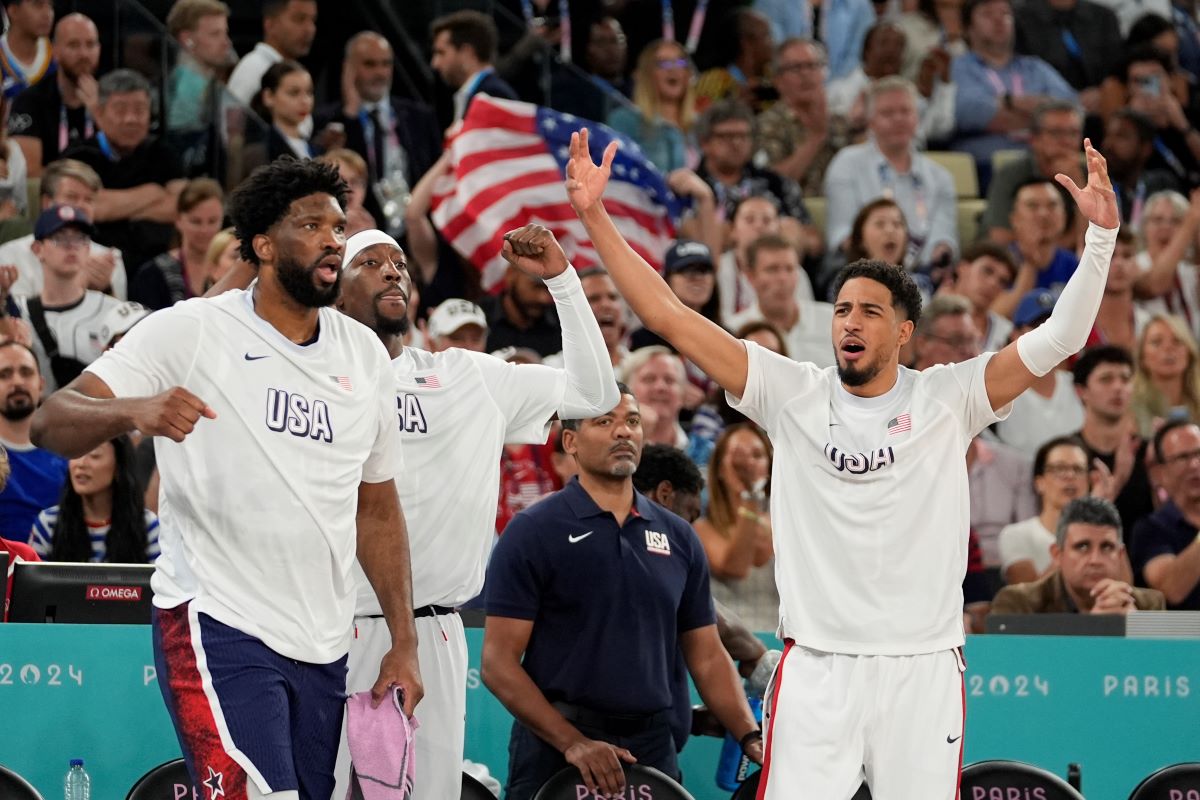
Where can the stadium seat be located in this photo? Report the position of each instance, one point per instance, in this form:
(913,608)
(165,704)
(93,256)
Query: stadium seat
(474,790)
(566,785)
(817,209)
(969,212)
(961,167)
(749,790)
(167,781)
(1170,783)
(14,787)
(1012,779)
(1003,157)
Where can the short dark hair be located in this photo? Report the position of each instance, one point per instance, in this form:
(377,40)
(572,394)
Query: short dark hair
(986,249)
(855,248)
(906,297)
(1089,510)
(1147,27)
(1052,106)
(661,462)
(26,348)
(1043,452)
(1126,235)
(472,28)
(1093,357)
(121,81)
(1140,122)
(573,424)
(1032,180)
(770,243)
(722,111)
(264,198)
(1167,427)
(273,8)
(1141,54)
(970,6)
(592,272)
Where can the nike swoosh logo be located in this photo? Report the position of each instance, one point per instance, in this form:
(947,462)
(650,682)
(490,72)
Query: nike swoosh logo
(952,740)
(249,357)
(573,538)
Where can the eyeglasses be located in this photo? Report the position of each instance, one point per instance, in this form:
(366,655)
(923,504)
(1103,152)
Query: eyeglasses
(69,239)
(1065,470)
(730,136)
(673,63)
(1182,459)
(962,343)
(800,66)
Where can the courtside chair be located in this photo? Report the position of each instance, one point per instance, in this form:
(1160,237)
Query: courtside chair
(1015,776)
(566,785)
(1175,781)
(14,787)
(164,782)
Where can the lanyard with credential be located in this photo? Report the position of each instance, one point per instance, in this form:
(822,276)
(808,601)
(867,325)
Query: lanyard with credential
(105,147)
(1018,86)
(64,129)
(888,178)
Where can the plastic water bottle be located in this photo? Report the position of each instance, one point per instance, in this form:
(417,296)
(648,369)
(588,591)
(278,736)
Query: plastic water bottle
(77,785)
(733,766)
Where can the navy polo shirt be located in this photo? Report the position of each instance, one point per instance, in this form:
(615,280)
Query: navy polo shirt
(607,602)
(1165,532)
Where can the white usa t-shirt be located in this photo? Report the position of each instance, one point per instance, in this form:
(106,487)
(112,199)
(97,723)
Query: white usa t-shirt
(258,506)
(870,504)
(457,409)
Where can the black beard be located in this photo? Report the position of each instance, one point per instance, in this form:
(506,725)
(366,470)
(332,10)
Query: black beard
(17,414)
(852,376)
(397,326)
(298,282)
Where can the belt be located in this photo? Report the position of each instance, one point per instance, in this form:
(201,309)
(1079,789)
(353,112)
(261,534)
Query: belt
(614,724)
(433,611)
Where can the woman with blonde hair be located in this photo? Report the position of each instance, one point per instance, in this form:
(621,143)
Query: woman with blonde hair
(736,529)
(664,106)
(1166,383)
(221,256)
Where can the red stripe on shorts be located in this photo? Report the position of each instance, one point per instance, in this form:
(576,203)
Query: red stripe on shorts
(762,782)
(962,734)
(217,774)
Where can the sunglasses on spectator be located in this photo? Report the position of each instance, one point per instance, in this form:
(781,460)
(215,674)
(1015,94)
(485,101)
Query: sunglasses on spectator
(673,63)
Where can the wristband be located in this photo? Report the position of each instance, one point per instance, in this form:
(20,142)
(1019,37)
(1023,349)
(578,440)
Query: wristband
(755,735)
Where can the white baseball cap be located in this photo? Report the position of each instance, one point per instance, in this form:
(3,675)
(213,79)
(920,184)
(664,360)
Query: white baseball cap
(120,319)
(452,315)
(364,239)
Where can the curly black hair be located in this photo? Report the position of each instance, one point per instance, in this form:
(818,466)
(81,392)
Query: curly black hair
(906,297)
(662,462)
(264,198)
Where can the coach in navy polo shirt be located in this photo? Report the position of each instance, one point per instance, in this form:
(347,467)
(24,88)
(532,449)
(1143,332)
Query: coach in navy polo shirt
(598,588)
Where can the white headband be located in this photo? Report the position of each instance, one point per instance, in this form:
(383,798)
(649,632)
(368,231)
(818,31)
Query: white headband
(362,240)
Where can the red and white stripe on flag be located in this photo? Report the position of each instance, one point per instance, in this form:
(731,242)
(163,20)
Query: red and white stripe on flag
(508,162)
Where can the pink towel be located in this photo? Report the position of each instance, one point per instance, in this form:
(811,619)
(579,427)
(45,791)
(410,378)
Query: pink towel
(381,748)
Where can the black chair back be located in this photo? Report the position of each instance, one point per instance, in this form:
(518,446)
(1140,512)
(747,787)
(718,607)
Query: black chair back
(12,785)
(1170,783)
(167,781)
(474,790)
(749,789)
(996,778)
(567,785)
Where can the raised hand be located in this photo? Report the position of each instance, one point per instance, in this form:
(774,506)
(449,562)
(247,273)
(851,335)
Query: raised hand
(534,250)
(1096,201)
(586,179)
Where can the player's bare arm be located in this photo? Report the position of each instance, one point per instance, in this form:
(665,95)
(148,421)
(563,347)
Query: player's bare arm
(707,344)
(720,686)
(383,554)
(504,643)
(1013,370)
(84,414)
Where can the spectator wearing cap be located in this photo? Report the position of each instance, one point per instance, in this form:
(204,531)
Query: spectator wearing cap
(1089,572)
(65,317)
(119,321)
(773,269)
(70,183)
(689,270)
(1165,547)
(36,476)
(27,55)
(889,165)
(48,117)
(522,315)
(1038,219)
(1050,408)
(141,176)
(457,323)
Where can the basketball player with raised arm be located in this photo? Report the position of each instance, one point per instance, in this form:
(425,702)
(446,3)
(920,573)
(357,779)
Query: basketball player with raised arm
(277,444)
(870,501)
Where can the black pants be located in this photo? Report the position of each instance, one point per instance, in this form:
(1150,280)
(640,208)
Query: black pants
(532,762)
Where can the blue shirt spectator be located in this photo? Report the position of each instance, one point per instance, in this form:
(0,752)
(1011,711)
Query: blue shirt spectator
(36,483)
(982,88)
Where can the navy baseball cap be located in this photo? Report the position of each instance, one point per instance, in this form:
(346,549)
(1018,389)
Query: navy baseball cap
(687,253)
(55,218)
(1034,307)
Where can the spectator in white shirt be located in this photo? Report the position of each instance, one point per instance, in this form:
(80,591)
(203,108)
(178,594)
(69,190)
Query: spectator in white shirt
(984,271)
(289,27)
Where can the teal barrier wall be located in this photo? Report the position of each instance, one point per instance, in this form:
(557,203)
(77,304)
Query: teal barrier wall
(1120,708)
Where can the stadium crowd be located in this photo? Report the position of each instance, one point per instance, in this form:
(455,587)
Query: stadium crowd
(919,133)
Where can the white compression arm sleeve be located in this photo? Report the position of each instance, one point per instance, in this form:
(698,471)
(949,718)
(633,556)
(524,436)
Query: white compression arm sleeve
(591,387)
(1065,332)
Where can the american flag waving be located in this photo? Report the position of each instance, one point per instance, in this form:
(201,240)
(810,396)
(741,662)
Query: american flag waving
(508,165)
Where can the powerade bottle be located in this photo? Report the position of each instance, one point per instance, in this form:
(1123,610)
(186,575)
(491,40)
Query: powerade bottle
(733,766)
(77,785)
